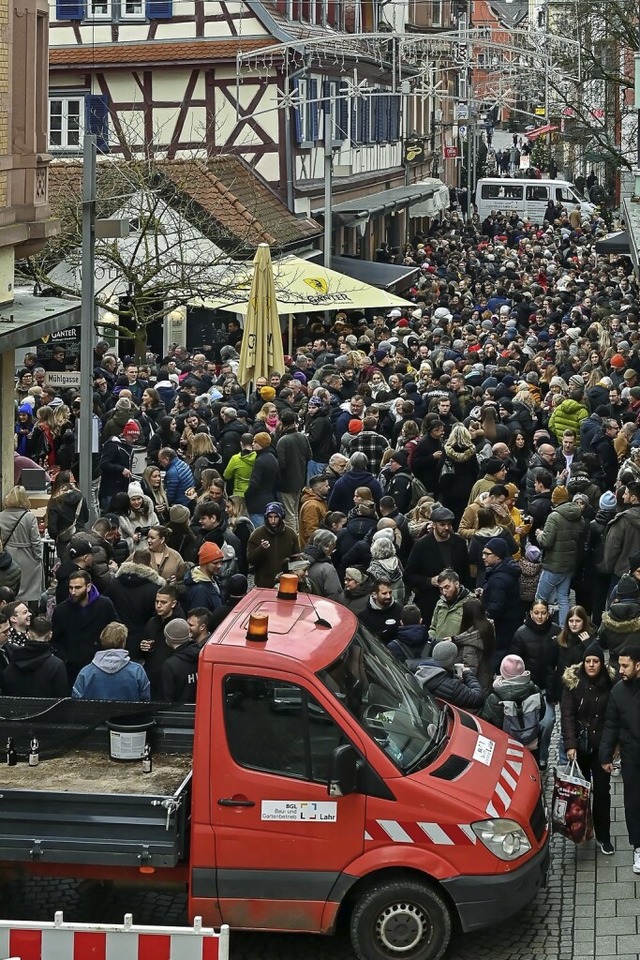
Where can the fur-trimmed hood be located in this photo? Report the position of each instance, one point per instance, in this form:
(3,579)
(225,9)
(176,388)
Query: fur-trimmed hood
(573,674)
(133,573)
(459,454)
(622,617)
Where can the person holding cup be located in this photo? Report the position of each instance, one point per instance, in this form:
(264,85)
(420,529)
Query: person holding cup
(445,677)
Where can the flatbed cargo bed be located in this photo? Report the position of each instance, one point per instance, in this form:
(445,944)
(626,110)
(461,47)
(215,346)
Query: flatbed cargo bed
(79,806)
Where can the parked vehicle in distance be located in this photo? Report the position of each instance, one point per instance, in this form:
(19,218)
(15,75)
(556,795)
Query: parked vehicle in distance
(528,198)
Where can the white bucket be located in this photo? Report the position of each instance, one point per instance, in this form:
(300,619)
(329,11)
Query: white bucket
(127,742)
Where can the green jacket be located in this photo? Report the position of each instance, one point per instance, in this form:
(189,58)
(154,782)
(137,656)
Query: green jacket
(563,539)
(621,539)
(567,416)
(239,469)
(447,617)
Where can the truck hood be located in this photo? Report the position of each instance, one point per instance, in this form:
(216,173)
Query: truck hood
(482,772)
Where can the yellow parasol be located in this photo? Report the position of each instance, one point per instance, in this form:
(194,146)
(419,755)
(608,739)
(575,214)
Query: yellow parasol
(261,351)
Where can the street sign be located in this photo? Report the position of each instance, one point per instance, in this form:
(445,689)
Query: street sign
(60,379)
(450,153)
(462,111)
(462,130)
(540,111)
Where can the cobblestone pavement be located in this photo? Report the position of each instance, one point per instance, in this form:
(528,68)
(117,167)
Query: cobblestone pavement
(589,909)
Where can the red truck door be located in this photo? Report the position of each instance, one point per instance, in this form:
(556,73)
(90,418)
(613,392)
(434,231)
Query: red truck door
(281,842)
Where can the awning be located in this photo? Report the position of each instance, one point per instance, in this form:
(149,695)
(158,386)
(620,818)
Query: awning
(301,287)
(614,243)
(386,276)
(541,131)
(351,212)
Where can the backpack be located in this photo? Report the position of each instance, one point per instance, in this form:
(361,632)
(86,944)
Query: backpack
(418,489)
(522,718)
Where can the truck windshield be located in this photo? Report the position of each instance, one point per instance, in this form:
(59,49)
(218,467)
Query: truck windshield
(387,701)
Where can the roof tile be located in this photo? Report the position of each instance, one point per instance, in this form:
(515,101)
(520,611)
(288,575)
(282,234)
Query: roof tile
(194,51)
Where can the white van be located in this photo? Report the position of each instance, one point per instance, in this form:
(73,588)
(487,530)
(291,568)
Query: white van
(528,198)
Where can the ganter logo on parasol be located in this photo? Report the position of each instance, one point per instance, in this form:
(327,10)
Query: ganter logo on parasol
(319,284)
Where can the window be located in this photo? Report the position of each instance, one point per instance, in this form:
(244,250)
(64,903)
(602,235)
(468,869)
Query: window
(436,13)
(537,193)
(132,9)
(501,191)
(278,727)
(66,122)
(99,10)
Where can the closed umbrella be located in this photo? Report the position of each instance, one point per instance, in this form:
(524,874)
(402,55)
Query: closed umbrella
(261,351)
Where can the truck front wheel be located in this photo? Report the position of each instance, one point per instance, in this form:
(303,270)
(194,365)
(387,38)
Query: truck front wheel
(400,920)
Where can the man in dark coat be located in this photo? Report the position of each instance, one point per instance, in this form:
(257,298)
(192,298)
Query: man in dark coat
(116,461)
(294,453)
(34,670)
(622,728)
(606,452)
(382,614)
(133,592)
(429,455)
(179,674)
(442,549)
(78,622)
(501,595)
(153,646)
(265,478)
(229,439)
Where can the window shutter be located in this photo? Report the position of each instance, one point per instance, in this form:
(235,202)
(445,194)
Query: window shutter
(343,113)
(379,128)
(394,119)
(327,111)
(364,118)
(97,120)
(297,114)
(70,10)
(313,111)
(159,9)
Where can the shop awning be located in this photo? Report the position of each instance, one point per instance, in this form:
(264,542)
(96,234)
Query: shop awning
(614,243)
(301,287)
(350,212)
(386,276)
(541,131)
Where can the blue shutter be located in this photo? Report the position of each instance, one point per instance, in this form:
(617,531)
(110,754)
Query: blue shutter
(313,111)
(327,112)
(97,120)
(343,113)
(297,115)
(159,9)
(379,126)
(364,125)
(394,119)
(70,10)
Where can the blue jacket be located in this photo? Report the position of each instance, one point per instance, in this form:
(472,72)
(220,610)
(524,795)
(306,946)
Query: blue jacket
(178,478)
(112,676)
(201,591)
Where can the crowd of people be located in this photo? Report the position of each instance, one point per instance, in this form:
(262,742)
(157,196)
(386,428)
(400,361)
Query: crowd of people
(462,474)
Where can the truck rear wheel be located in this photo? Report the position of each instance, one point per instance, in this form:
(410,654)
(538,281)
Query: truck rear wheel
(400,920)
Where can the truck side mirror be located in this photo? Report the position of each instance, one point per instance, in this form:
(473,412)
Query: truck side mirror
(343,771)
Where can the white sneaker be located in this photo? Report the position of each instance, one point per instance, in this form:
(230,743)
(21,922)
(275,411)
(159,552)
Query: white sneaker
(617,768)
(636,860)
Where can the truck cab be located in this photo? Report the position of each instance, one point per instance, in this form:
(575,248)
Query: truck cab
(327,782)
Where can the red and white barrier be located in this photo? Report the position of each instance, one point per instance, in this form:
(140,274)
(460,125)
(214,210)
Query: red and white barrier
(26,940)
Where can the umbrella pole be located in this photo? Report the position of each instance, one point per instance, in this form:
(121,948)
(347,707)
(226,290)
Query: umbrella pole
(290,336)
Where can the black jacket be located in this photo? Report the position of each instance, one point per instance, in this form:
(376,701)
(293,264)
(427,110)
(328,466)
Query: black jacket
(155,659)
(34,671)
(622,724)
(133,592)
(584,703)
(466,693)
(319,431)
(427,559)
(116,457)
(63,513)
(536,645)
(561,658)
(179,674)
(502,601)
(264,482)
(293,453)
(375,620)
(77,629)
(229,440)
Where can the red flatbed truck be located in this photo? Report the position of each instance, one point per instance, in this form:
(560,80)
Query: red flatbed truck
(325,785)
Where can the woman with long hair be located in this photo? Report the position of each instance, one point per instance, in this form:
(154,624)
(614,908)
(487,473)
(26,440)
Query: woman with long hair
(165,436)
(240,524)
(459,472)
(203,454)
(67,510)
(576,634)
(477,641)
(43,446)
(535,642)
(267,419)
(20,535)
(521,453)
(153,487)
